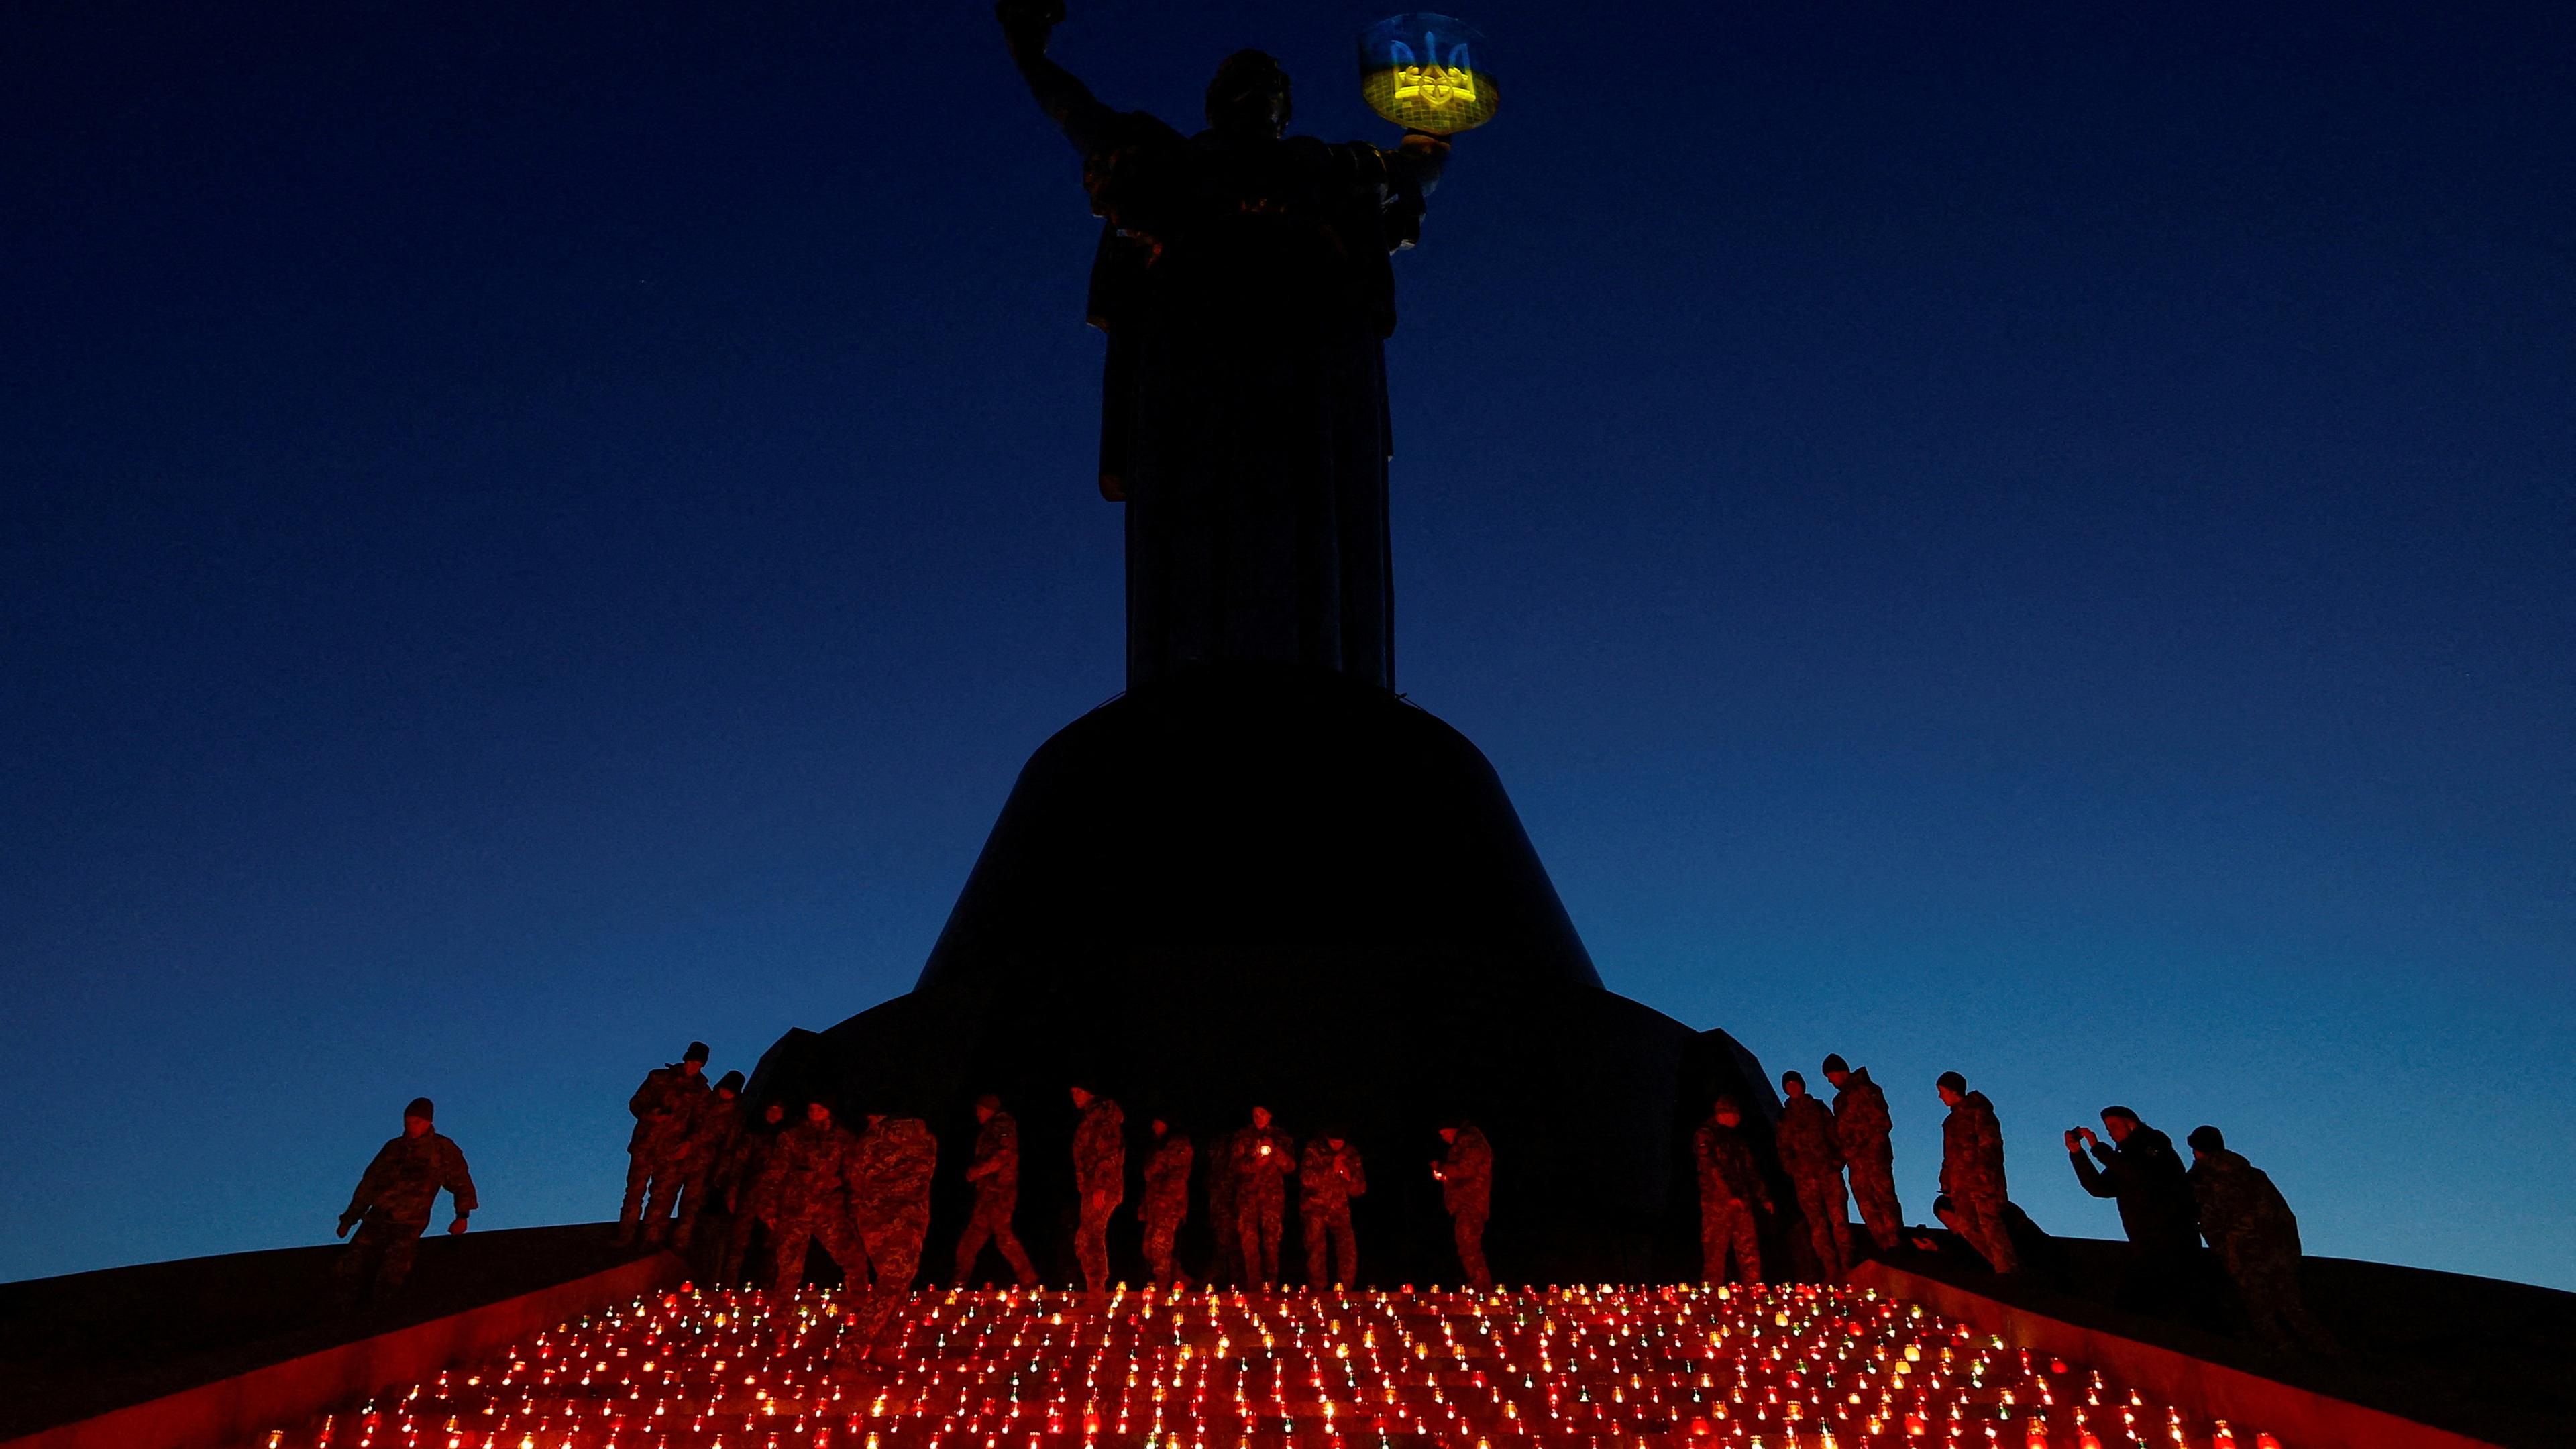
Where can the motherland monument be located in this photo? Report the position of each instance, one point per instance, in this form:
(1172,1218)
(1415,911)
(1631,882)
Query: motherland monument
(1259,875)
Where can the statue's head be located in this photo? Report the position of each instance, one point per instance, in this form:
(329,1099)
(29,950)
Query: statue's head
(1250,93)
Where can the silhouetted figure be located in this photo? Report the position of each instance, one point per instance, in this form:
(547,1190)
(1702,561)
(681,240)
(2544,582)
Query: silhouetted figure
(1263,1158)
(892,1167)
(1812,1154)
(1100,1180)
(1225,1223)
(1466,1174)
(749,1181)
(1730,1191)
(1243,280)
(665,1109)
(995,1173)
(817,1174)
(1167,1199)
(2256,1236)
(2140,1171)
(1329,1175)
(710,1142)
(1972,1171)
(391,1208)
(1862,1126)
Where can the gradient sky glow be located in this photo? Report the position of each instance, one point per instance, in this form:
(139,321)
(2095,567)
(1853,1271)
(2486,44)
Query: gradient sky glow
(2032,538)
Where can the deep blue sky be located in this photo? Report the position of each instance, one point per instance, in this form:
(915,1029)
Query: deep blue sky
(2031,538)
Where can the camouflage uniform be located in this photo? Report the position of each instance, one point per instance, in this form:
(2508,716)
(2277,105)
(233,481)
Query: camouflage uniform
(1327,1180)
(749,1180)
(666,1110)
(1972,1174)
(815,1171)
(1227,1259)
(890,1205)
(391,1206)
(1813,1156)
(1100,1180)
(710,1143)
(1261,1198)
(1862,1128)
(1730,1188)
(2257,1237)
(1467,1191)
(995,1171)
(1167,1202)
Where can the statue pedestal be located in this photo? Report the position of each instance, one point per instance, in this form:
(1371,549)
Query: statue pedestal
(1278,885)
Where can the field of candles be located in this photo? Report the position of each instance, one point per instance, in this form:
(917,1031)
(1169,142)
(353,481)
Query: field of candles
(1599,1368)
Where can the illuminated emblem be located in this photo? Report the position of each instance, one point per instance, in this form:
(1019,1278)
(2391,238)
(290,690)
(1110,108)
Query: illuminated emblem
(1422,72)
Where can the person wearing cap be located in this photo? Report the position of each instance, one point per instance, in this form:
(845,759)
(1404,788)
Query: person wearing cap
(391,1208)
(1099,1181)
(1167,1198)
(1972,1171)
(817,1172)
(1264,1157)
(891,1172)
(709,1144)
(994,1170)
(1730,1190)
(666,1111)
(1812,1155)
(2256,1236)
(1862,1127)
(1466,1176)
(2139,1170)
(1329,1175)
(748,1184)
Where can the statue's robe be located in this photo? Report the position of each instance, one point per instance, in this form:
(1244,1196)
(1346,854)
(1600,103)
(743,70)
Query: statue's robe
(1244,285)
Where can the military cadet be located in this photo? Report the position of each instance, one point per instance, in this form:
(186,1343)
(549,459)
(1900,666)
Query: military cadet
(2140,1170)
(1862,1128)
(892,1166)
(749,1183)
(1812,1154)
(1263,1158)
(1972,1171)
(710,1143)
(1225,1262)
(2033,1248)
(816,1172)
(2256,1236)
(666,1109)
(391,1208)
(1466,1176)
(1167,1199)
(1730,1190)
(1329,1175)
(1099,1178)
(995,1172)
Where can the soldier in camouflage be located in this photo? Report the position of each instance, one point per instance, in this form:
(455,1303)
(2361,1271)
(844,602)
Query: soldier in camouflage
(816,1172)
(1099,1181)
(1812,1154)
(1167,1199)
(749,1182)
(710,1143)
(391,1208)
(1225,1262)
(1329,1175)
(1972,1172)
(1466,1176)
(1862,1128)
(1730,1189)
(665,1110)
(995,1173)
(2256,1236)
(1263,1158)
(892,1166)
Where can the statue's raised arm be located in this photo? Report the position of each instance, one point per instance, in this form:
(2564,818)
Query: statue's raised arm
(1027,25)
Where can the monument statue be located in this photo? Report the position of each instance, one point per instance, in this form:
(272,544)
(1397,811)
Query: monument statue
(1244,284)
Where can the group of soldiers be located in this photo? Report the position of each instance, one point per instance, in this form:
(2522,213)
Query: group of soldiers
(2166,1210)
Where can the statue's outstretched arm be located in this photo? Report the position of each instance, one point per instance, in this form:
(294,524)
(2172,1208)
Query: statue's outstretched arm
(1026,25)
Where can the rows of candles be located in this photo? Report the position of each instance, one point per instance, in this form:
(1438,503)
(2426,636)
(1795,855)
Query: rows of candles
(1781,1367)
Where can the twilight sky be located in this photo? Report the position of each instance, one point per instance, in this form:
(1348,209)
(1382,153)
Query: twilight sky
(2033,538)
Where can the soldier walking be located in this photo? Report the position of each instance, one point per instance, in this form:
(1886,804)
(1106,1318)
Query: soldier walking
(1972,1171)
(892,1167)
(1730,1189)
(2140,1170)
(1466,1176)
(995,1172)
(710,1144)
(816,1172)
(1263,1158)
(1100,1177)
(749,1182)
(391,1208)
(2256,1236)
(1167,1199)
(1862,1128)
(665,1109)
(1329,1175)
(1811,1152)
